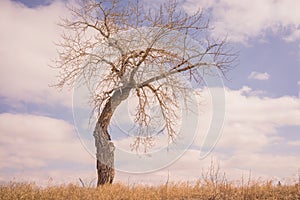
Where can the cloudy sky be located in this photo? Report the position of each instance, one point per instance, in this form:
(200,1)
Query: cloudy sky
(261,131)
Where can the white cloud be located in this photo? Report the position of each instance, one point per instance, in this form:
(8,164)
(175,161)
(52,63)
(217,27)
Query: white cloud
(252,125)
(191,168)
(259,76)
(299,88)
(34,142)
(252,121)
(27,46)
(243,20)
(295,35)
(260,165)
(294,143)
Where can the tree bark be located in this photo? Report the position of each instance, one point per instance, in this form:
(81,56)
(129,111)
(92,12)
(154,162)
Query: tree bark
(105,148)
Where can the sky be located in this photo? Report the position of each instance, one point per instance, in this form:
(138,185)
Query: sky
(260,135)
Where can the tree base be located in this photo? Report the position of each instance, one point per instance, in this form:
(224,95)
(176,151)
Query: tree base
(105,174)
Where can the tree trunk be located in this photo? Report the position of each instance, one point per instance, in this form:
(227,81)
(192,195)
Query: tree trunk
(105,148)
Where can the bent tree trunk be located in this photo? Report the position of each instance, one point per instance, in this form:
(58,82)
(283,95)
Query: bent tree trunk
(104,146)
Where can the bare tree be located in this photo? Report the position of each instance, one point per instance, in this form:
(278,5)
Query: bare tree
(121,50)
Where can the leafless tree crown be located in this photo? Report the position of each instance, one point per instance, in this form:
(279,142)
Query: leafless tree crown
(112,47)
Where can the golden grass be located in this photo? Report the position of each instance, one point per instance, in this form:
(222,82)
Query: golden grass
(201,190)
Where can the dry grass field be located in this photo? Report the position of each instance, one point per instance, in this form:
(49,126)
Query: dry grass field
(206,189)
(213,185)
